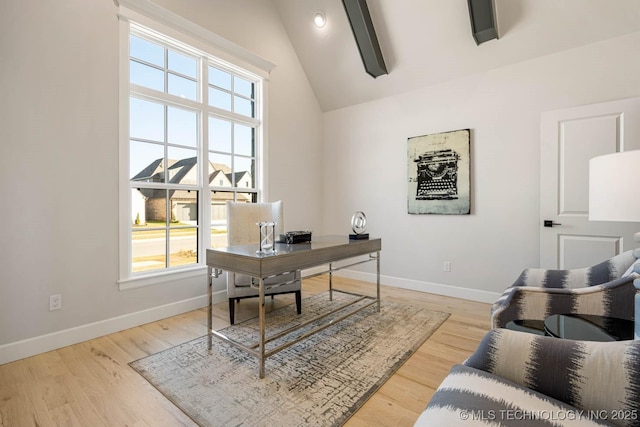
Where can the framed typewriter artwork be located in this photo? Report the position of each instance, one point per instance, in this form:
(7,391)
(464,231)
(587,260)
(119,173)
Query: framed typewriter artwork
(438,168)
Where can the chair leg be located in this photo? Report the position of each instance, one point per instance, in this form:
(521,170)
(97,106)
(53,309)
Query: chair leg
(232,308)
(299,301)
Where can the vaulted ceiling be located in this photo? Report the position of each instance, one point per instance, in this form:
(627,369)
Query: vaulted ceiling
(427,42)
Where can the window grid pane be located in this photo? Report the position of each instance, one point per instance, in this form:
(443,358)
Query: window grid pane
(182,127)
(182,64)
(182,87)
(231,93)
(146,51)
(146,120)
(145,75)
(219,78)
(149,229)
(183,228)
(160,68)
(243,87)
(183,247)
(219,99)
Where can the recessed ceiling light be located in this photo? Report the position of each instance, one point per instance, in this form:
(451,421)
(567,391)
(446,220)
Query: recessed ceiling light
(319,19)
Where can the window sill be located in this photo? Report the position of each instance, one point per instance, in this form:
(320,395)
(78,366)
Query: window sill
(159,278)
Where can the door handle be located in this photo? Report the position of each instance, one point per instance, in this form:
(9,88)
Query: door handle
(550,223)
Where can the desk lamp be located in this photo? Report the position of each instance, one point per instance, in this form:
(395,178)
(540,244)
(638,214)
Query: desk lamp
(613,182)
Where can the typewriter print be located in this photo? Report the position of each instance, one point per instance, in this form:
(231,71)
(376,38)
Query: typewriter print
(438,173)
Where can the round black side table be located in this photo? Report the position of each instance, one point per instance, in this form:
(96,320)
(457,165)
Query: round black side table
(588,327)
(584,327)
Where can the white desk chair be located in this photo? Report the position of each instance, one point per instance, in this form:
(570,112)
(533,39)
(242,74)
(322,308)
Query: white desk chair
(241,230)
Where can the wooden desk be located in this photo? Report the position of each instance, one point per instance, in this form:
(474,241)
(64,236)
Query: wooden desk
(320,251)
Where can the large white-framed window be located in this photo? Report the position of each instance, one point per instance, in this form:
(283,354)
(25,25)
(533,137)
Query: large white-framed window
(191,138)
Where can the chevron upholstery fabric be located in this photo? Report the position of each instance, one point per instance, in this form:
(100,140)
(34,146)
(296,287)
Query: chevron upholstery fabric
(515,378)
(579,277)
(602,289)
(471,397)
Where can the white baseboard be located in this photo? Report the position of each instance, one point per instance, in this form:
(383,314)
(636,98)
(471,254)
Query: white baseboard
(429,287)
(41,344)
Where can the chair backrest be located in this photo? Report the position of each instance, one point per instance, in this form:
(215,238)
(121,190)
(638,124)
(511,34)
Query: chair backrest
(243,217)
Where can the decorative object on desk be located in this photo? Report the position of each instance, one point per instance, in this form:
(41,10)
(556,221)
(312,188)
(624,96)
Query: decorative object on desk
(322,380)
(610,199)
(267,232)
(359,226)
(438,168)
(292,237)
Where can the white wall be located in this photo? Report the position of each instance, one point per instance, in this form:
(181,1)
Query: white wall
(365,165)
(59,164)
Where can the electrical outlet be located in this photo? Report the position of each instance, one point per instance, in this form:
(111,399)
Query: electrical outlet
(55,302)
(446,266)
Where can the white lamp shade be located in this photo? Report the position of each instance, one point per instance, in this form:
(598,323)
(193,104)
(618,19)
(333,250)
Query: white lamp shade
(613,187)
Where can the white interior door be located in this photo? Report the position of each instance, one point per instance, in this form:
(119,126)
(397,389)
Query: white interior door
(569,139)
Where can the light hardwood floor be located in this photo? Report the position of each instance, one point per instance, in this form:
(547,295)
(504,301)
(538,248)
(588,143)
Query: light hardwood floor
(91,383)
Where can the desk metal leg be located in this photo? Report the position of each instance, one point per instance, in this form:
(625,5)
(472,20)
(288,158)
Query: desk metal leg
(378,280)
(330,281)
(262,326)
(210,274)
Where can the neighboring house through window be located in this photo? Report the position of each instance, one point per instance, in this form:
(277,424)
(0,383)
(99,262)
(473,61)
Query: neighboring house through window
(193,142)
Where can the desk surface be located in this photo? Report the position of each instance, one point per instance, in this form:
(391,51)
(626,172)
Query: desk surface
(321,250)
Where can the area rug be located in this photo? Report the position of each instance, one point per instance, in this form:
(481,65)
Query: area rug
(319,381)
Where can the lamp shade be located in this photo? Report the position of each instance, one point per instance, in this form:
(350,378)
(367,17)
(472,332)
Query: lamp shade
(613,187)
